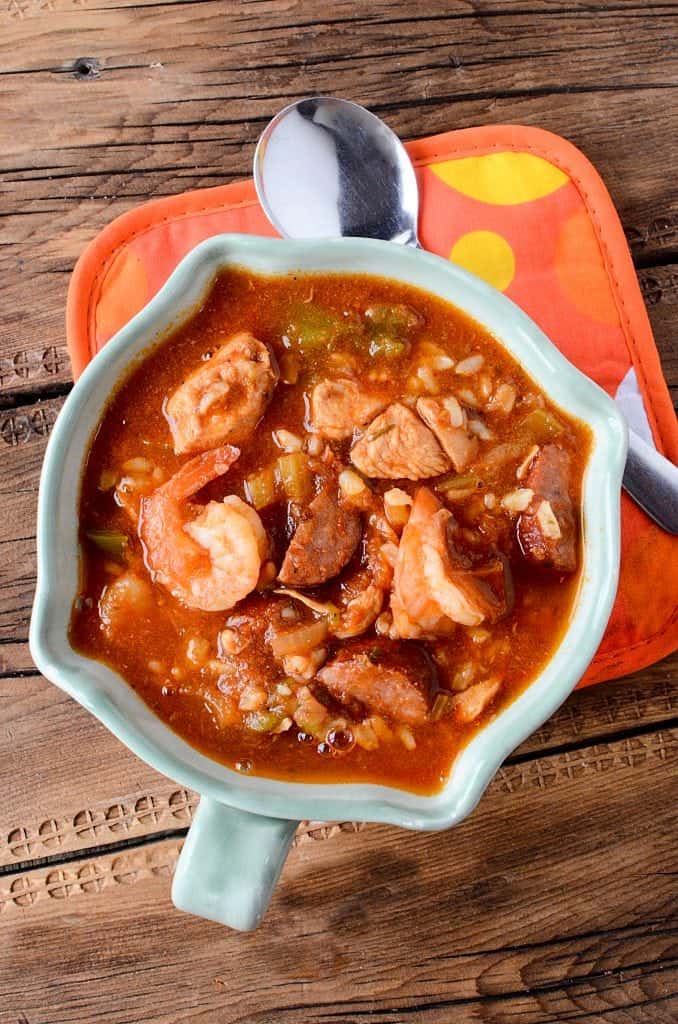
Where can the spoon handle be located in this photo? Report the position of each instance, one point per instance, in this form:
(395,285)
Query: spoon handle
(653,482)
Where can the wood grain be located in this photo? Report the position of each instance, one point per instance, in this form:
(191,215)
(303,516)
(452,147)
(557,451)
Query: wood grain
(52,812)
(522,913)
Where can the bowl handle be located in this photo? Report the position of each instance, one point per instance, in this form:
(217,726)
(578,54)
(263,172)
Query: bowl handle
(230,863)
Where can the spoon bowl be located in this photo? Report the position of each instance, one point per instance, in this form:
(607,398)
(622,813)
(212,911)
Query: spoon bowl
(326,167)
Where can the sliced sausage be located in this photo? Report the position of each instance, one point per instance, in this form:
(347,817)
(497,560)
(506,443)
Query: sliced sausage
(547,530)
(322,543)
(381,689)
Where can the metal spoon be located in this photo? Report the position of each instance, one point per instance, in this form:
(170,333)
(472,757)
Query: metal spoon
(325,167)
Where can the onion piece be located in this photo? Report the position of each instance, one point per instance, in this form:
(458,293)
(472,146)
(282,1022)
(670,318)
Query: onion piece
(260,487)
(329,610)
(300,640)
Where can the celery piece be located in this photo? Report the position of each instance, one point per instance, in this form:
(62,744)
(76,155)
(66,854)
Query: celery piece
(111,542)
(457,482)
(383,344)
(394,317)
(441,705)
(541,425)
(312,327)
(260,487)
(294,473)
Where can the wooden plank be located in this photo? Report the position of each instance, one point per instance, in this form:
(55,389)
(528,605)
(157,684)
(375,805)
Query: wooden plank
(185,113)
(16,654)
(100,793)
(285,11)
(537,908)
(659,286)
(97,793)
(201,147)
(23,437)
(272,49)
(44,241)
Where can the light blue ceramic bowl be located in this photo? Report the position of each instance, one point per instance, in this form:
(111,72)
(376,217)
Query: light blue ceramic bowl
(244,826)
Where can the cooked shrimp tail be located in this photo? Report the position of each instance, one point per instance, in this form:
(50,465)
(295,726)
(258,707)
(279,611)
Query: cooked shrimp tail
(200,471)
(207,556)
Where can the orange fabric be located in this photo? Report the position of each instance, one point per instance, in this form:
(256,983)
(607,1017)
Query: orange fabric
(526,210)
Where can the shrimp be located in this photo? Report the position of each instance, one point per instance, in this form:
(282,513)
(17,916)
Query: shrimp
(209,557)
(435,585)
(363,591)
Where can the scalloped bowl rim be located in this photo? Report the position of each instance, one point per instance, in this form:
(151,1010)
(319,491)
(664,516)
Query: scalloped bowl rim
(103,692)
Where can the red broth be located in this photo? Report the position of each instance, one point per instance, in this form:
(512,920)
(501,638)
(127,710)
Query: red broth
(394,710)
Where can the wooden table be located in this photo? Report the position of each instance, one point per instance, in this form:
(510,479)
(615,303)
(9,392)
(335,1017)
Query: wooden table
(556,900)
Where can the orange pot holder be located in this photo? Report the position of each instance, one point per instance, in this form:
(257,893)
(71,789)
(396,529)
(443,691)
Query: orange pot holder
(525,210)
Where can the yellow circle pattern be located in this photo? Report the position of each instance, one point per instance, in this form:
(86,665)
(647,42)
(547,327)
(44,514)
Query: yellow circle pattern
(502,179)
(486,254)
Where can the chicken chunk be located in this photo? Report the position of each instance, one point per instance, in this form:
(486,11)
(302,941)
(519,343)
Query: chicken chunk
(449,422)
(339,406)
(223,400)
(381,689)
(472,702)
(547,531)
(397,445)
(323,543)
(436,584)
